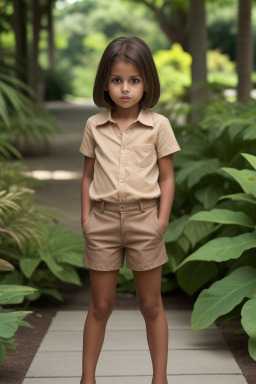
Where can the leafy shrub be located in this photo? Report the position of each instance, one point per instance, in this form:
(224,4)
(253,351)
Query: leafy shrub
(220,69)
(225,132)
(22,122)
(174,72)
(10,319)
(236,250)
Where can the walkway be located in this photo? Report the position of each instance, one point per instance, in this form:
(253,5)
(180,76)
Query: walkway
(198,358)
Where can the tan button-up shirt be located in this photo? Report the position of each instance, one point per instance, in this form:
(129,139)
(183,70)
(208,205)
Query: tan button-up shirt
(125,167)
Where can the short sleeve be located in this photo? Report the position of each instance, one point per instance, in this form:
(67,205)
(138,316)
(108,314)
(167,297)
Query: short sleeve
(166,141)
(88,144)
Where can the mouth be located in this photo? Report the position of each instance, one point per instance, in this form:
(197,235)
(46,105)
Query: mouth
(125,98)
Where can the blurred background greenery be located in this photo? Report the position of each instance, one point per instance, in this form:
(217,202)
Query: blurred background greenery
(82,29)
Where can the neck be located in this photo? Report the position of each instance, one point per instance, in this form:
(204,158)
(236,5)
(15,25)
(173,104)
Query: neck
(122,113)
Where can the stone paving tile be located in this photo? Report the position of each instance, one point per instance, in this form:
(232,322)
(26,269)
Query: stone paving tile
(184,379)
(133,340)
(134,363)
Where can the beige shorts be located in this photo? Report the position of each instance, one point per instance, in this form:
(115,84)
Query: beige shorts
(115,231)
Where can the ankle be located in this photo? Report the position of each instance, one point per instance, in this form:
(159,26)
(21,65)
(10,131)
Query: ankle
(159,380)
(86,381)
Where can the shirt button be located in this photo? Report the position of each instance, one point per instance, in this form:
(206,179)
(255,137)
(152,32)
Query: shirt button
(121,199)
(122,181)
(122,165)
(126,132)
(123,148)
(119,133)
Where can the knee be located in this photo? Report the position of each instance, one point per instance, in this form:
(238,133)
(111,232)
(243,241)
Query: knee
(150,309)
(102,310)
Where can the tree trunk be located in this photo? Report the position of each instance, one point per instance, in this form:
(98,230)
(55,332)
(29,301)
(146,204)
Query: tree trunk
(20,30)
(198,43)
(51,48)
(175,26)
(244,51)
(34,79)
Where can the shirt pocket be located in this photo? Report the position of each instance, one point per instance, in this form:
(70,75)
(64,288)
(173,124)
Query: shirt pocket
(142,155)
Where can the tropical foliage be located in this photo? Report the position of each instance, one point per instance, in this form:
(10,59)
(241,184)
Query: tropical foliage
(11,319)
(22,122)
(35,252)
(211,235)
(236,250)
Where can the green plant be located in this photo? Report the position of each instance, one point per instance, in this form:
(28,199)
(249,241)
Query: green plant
(174,72)
(21,120)
(225,132)
(11,319)
(237,250)
(40,252)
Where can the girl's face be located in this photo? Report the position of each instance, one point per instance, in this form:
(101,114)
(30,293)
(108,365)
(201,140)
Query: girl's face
(125,85)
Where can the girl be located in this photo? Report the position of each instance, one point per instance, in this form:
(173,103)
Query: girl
(126,196)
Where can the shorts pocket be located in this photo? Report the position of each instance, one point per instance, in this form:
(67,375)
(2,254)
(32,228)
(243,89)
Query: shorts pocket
(160,229)
(142,155)
(85,224)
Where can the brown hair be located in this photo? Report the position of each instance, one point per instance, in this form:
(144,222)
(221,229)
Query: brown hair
(132,50)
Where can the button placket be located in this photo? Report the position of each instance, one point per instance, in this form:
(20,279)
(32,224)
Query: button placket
(122,168)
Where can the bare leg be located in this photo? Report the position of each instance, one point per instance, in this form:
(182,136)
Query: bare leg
(103,286)
(148,289)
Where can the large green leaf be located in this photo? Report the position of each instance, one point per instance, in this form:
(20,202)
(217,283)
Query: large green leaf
(252,348)
(248,321)
(70,257)
(249,317)
(237,126)
(246,179)
(194,171)
(175,254)
(183,243)
(14,294)
(223,248)
(28,265)
(193,276)
(223,216)
(51,292)
(223,296)
(196,231)
(240,197)
(250,158)
(250,133)
(2,352)
(9,322)
(175,229)
(209,195)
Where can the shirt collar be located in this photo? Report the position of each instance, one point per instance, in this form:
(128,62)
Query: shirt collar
(145,118)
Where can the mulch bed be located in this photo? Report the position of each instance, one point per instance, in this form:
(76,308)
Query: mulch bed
(17,362)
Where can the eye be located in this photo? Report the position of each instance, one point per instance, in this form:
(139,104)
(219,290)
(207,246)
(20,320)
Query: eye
(116,80)
(135,81)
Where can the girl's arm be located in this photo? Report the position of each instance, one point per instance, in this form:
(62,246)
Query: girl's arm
(85,185)
(167,187)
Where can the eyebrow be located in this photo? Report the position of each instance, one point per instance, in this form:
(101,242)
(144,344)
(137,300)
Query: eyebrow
(121,76)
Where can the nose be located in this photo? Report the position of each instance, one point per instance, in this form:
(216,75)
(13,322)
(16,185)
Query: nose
(125,87)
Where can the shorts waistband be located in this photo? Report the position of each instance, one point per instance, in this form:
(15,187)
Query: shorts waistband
(141,205)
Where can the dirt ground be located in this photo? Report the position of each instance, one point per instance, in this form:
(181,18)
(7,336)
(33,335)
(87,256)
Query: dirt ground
(14,368)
